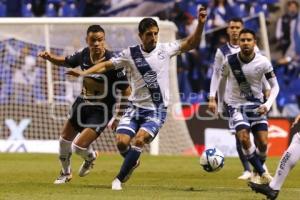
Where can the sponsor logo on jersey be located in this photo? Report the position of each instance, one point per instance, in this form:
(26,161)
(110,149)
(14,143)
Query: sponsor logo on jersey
(161,55)
(150,78)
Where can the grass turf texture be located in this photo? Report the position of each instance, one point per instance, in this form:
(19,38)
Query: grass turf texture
(31,176)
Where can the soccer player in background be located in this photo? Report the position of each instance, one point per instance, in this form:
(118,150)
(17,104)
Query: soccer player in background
(288,160)
(244,72)
(235,25)
(93,109)
(148,66)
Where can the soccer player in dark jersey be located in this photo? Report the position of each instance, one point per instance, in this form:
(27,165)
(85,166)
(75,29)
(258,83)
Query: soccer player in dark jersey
(93,109)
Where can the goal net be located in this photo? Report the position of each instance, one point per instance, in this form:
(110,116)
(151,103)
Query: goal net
(35,96)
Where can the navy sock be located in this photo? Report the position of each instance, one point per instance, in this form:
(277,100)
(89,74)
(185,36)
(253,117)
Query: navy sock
(262,156)
(129,162)
(262,160)
(256,163)
(242,157)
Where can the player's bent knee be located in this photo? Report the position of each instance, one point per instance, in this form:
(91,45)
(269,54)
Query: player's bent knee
(244,136)
(122,146)
(123,141)
(139,142)
(262,146)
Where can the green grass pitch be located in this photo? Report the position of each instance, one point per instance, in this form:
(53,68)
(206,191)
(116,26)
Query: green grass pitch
(31,176)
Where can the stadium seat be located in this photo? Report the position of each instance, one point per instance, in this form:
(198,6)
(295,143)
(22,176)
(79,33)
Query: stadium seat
(240,10)
(27,10)
(261,8)
(68,10)
(184,86)
(53,1)
(286,97)
(202,2)
(27,1)
(2,9)
(241,1)
(267,1)
(50,10)
(294,86)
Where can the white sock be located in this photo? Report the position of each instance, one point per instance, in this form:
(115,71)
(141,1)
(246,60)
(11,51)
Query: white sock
(65,152)
(287,162)
(261,155)
(250,151)
(86,153)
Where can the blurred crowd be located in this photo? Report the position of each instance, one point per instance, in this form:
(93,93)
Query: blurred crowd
(195,67)
(282,18)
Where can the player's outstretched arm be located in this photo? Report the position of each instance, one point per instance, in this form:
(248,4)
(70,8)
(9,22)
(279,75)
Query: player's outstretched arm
(124,101)
(120,108)
(193,40)
(55,59)
(296,121)
(98,68)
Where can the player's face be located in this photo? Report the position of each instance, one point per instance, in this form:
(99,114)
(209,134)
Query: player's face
(234,29)
(96,42)
(247,43)
(293,9)
(149,38)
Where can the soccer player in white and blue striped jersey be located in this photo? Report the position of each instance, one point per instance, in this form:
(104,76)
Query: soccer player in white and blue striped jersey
(147,66)
(245,72)
(235,25)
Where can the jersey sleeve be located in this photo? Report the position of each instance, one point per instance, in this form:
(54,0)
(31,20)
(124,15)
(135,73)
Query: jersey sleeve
(121,60)
(266,85)
(218,62)
(225,68)
(173,48)
(268,70)
(74,59)
(217,73)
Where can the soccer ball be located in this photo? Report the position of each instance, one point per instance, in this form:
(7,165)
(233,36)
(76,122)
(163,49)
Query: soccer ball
(212,160)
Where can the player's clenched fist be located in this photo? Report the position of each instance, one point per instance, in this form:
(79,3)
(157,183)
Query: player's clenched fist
(45,55)
(202,15)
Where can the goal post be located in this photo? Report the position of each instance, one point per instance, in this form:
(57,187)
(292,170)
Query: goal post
(35,95)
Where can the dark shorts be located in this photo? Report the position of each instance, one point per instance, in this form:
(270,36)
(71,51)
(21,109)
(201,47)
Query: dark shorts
(85,114)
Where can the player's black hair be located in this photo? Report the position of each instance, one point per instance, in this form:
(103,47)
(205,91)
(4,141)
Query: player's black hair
(94,29)
(246,30)
(236,19)
(146,23)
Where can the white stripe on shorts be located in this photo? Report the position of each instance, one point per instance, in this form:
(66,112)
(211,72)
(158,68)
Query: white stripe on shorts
(148,131)
(127,128)
(241,123)
(259,122)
